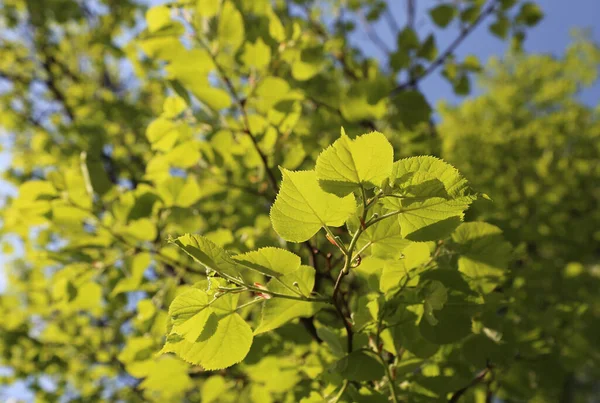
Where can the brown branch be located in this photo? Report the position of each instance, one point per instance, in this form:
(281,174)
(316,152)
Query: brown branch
(411,82)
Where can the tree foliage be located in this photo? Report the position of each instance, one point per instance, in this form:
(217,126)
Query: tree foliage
(533,146)
(192,224)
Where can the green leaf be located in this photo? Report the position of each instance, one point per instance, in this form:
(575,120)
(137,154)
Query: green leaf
(412,108)
(366,100)
(333,340)
(191,69)
(189,313)
(278,311)
(143,229)
(530,14)
(443,14)
(394,272)
(173,106)
(210,255)
(94,174)
(273,262)
(348,164)
(408,39)
(162,134)
(167,376)
(453,182)
(302,207)
(158,17)
(257,54)
(431,196)
(359,366)
(484,254)
(276,29)
(500,27)
(175,191)
(428,49)
(224,341)
(430,219)
(213,388)
(231,27)
(383,239)
(207,8)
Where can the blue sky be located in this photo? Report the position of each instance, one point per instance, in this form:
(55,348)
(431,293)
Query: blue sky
(552,35)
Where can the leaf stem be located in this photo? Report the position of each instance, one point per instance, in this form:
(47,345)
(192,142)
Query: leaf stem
(341,392)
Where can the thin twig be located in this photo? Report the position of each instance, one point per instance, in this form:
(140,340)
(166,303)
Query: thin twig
(457,395)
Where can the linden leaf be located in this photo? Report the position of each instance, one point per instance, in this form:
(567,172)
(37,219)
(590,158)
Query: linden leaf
(302,207)
(278,311)
(348,164)
(224,341)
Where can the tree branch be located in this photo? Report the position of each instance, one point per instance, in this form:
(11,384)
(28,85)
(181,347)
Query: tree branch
(458,394)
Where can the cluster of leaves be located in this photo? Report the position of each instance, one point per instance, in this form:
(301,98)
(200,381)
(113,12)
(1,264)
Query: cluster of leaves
(119,143)
(535,147)
(420,277)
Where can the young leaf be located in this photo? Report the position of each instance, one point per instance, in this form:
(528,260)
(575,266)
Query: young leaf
(348,164)
(158,17)
(443,14)
(278,311)
(210,255)
(273,262)
(415,254)
(257,54)
(383,239)
(452,180)
(231,26)
(302,207)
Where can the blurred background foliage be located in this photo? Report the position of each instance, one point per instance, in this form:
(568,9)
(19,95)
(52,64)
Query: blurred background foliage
(127,123)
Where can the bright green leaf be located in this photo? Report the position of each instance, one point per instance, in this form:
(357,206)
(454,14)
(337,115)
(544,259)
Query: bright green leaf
(302,207)
(348,164)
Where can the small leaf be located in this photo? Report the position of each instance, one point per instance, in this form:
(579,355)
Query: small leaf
(273,262)
(302,207)
(530,14)
(173,106)
(257,54)
(443,14)
(231,27)
(348,164)
(158,17)
(210,255)
(278,311)
(500,27)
